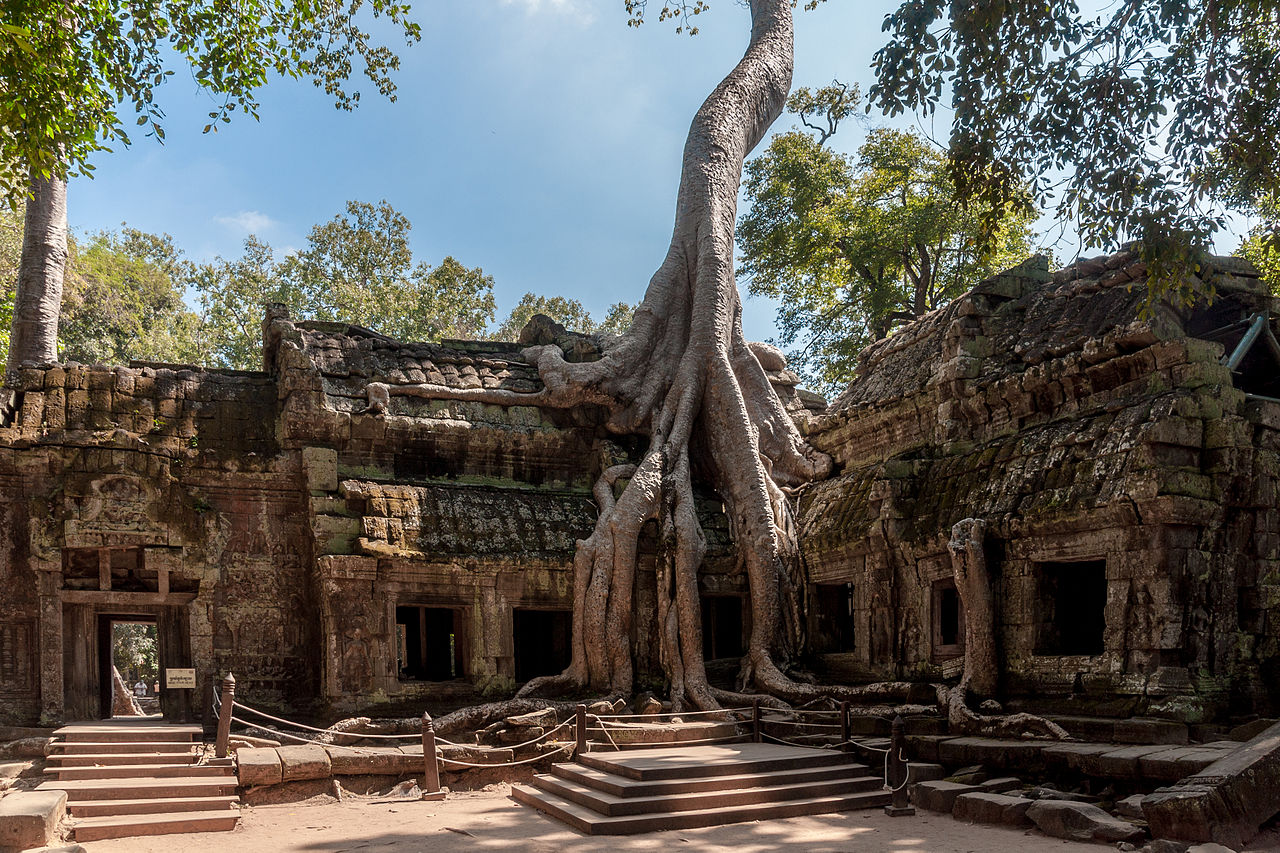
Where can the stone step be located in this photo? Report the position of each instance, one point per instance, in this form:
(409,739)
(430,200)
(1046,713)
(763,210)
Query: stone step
(621,786)
(612,805)
(115,759)
(59,747)
(719,760)
(128,733)
(80,790)
(593,823)
(150,805)
(131,771)
(129,826)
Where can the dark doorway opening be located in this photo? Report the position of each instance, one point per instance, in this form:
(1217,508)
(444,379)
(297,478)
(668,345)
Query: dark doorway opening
(129,666)
(1072,602)
(833,631)
(429,643)
(542,642)
(948,620)
(721,626)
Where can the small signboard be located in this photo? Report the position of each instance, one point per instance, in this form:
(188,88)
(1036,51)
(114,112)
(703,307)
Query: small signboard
(179,678)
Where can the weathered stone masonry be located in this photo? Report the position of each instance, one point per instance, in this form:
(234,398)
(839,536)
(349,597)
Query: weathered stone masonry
(1128,481)
(340,560)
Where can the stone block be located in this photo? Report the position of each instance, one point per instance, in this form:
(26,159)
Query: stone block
(30,818)
(1130,807)
(321,465)
(994,808)
(1081,822)
(257,766)
(1072,756)
(298,763)
(382,762)
(1001,784)
(1170,765)
(940,796)
(919,771)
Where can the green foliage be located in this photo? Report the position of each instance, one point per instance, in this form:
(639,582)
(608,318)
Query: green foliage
(10,257)
(1260,248)
(853,246)
(357,268)
(73,72)
(1142,123)
(122,300)
(135,653)
(567,312)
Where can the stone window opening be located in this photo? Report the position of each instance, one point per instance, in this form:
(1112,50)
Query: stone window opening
(833,630)
(430,644)
(948,620)
(1071,607)
(107,569)
(722,627)
(543,641)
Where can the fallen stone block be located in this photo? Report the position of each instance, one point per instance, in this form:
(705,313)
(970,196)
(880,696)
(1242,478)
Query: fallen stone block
(1072,755)
(919,771)
(992,808)
(62,848)
(27,747)
(30,818)
(257,766)
(1130,806)
(299,763)
(1209,848)
(546,718)
(1001,784)
(1081,822)
(389,762)
(940,796)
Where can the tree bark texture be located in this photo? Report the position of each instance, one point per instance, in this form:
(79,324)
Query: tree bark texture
(34,335)
(973,586)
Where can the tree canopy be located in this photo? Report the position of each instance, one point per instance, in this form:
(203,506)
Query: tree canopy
(1145,121)
(567,312)
(78,77)
(853,246)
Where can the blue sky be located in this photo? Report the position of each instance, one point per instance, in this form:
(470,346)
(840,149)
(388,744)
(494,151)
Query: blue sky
(539,139)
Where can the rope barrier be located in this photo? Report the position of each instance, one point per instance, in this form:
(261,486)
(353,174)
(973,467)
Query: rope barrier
(568,746)
(745,710)
(328,731)
(604,729)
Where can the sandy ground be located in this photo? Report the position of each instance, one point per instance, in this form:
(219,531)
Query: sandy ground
(488,820)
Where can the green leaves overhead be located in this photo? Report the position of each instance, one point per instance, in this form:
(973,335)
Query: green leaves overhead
(854,246)
(74,73)
(1143,122)
(567,312)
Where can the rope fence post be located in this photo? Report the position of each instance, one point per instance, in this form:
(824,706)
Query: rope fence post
(844,722)
(430,766)
(897,772)
(580,727)
(755,720)
(224,715)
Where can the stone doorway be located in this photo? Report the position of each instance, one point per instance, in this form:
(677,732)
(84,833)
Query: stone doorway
(542,640)
(128,646)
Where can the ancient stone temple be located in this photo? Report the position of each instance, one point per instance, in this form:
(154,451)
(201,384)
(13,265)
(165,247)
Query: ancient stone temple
(342,544)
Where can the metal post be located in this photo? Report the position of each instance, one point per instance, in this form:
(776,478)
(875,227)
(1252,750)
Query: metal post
(897,771)
(844,725)
(755,720)
(430,766)
(580,725)
(224,715)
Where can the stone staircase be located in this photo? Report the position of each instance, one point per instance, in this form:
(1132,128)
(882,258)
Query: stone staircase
(645,790)
(125,779)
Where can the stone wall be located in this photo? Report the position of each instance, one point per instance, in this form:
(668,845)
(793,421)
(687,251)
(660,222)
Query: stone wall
(1102,447)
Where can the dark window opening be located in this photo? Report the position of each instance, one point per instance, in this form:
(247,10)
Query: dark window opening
(947,616)
(833,631)
(429,643)
(1072,600)
(119,569)
(542,642)
(721,626)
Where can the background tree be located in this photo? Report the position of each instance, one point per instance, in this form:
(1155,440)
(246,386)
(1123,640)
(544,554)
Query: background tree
(68,69)
(10,255)
(567,312)
(854,246)
(1143,122)
(357,268)
(123,299)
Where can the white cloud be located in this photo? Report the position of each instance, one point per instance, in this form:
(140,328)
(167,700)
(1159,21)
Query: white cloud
(563,7)
(248,222)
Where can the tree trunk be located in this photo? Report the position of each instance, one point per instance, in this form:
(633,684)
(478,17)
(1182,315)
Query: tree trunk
(973,586)
(34,336)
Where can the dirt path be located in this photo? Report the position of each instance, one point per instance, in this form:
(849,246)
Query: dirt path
(488,820)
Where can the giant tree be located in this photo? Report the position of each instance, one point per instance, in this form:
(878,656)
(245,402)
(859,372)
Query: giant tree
(1145,120)
(854,246)
(73,72)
